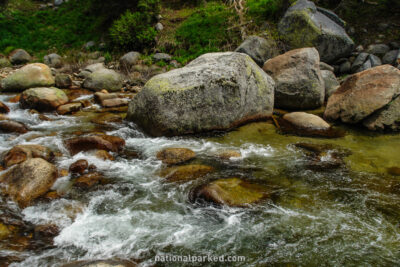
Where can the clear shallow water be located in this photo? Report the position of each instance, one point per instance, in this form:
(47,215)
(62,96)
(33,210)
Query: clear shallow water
(347,216)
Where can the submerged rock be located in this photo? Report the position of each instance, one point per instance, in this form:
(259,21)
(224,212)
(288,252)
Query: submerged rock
(79,166)
(29,180)
(259,49)
(3,108)
(232,192)
(175,155)
(20,153)
(306,26)
(29,76)
(217,91)
(394,171)
(88,180)
(365,93)
(9,126)
(299,84)
(69,108)
(102,142)
(43,99)
(106,119)
(228,154)
(185,173)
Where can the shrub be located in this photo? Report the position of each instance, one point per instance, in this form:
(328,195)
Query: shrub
(206,30)
(135,30)
(262,9)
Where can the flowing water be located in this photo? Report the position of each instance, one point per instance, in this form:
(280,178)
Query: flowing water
(346,216)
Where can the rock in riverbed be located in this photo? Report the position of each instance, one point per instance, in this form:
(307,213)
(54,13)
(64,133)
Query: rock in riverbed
(9,126)
(104,79)
(299,83)
(217,91)
(29,180)
(43,99)
(102,142)
(233,192)
(185,173)
(175,155)
(29,76)
(19,56)
(3,108)
(20,153)
(365,94)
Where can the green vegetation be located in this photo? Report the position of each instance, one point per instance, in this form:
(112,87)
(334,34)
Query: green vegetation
(206,30)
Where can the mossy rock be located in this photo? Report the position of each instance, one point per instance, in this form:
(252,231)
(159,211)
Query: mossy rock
(185,173)
(232,192)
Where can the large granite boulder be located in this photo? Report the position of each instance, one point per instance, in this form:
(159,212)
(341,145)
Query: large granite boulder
(109,80)
(217,91)
(299,83)
(259,49)
(43,98)
(304,25)
(373,92)
(29,76)
(29,180)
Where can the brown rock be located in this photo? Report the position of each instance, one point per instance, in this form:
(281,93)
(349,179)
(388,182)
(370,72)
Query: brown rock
(229,154)
(117,142)
(3,117)
(394,171)
(115,102)
(106,118)
(3,108)
(175,155)
(232,192)
(79,166)
(104,155)
(20,153)
(29,180)
(69,108)
(15,99)
(364,93)
(99,97)
(10,126)
(43,98)
(101,142)
(185,173)
(88,180)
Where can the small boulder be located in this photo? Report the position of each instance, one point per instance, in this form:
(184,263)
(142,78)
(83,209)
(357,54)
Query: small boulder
(175,155)
(88,180)
(63,81)
(377,49)
(69,108)
(3,108)
(9,126)
(358,62)
(259,49)
(79,167)
(129,59)
(53,60)
(20,153)
(115,102)
(106,119)
(90,69)
(4,63)
(29,180)
(387,118)
(29,76)
(102,142)
(228,154)
(19,56)
(185,173)
(306,120)
(43,99)
(304,25)
(364,93)
(162,57)
(104,79)
(390,57)
(99,97)
(104,155)
(232,192)
(299,83)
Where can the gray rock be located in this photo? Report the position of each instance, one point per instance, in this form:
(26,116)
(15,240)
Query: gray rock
(394,45)
(104,79)
(43,98)
(53,60)
(345,67)
(58,2)
(90,69)
(63,81)
(31,75)
(90,45)
(378,49)
(19,56)
(390,57)
(259,49)
(330,14)
(360,59)
(304,26)
(324,66)
(330,81)
(387,118)
(299,84)
(375,61)
(159,27)
(359,48)
(129,59)
(217,91)
(306,121)
(162,57)
(367,65)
